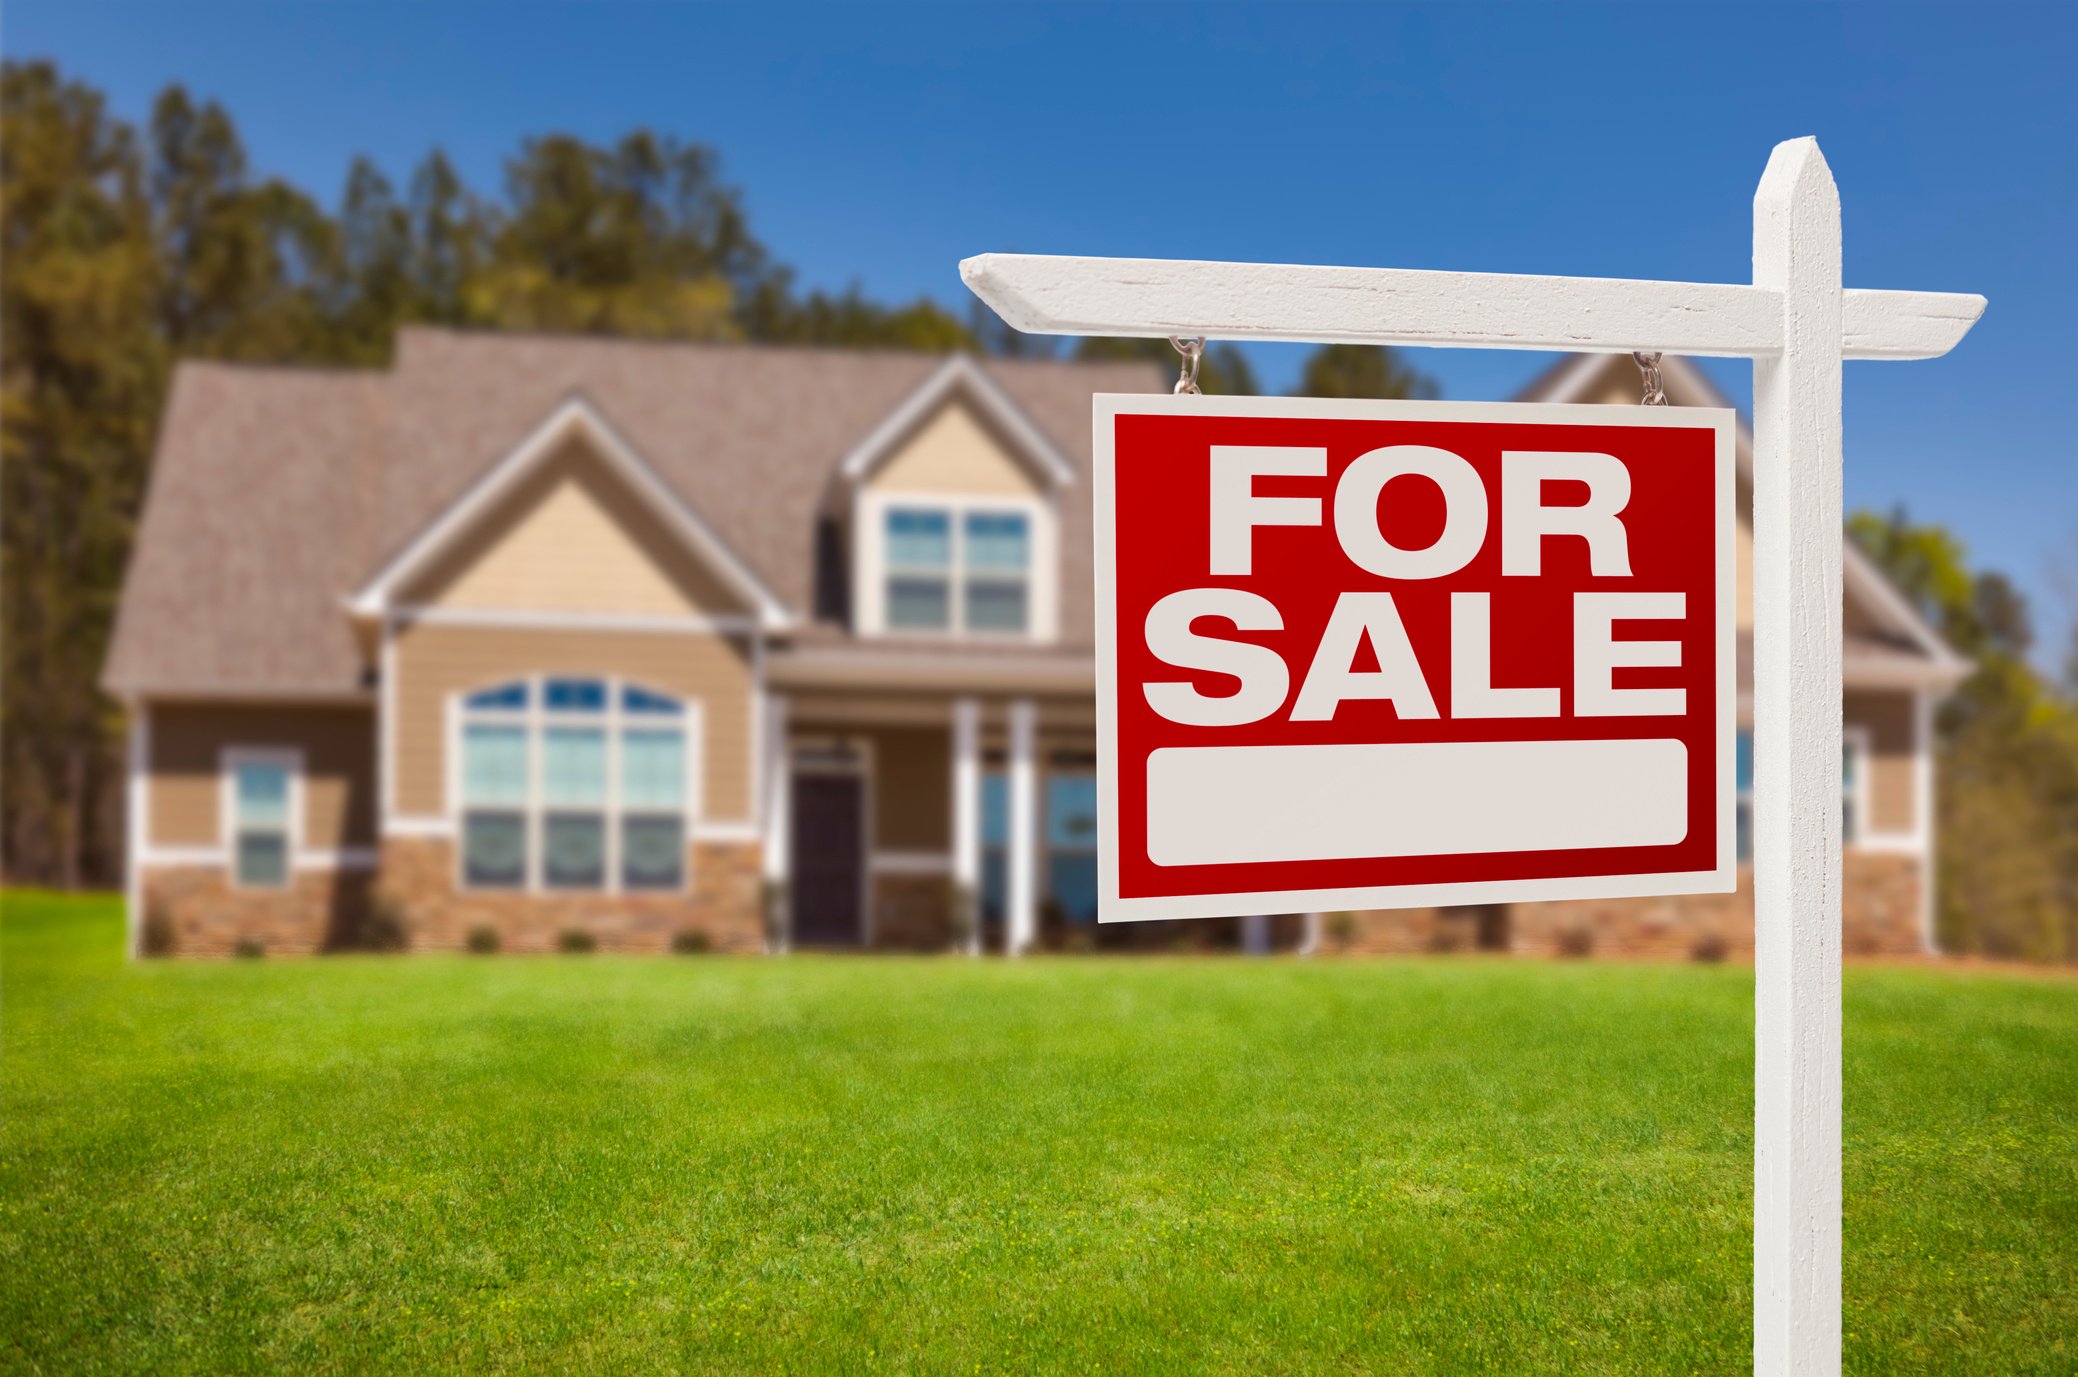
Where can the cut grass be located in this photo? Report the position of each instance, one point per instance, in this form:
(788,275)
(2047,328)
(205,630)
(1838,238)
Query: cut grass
(607,1164)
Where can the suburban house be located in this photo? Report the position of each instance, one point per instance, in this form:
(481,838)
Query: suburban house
(730,647)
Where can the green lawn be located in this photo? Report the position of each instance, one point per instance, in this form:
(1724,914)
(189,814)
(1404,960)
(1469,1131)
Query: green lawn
(709,1164)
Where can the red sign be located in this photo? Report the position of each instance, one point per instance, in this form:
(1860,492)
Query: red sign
(1387,654)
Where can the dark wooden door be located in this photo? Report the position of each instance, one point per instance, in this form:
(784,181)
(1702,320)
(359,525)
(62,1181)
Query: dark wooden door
(829,864)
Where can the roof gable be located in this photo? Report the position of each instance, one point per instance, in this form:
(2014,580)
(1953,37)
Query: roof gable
(575,420)
(958,379)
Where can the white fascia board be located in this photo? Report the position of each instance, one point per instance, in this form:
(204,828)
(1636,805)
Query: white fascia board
(958,374)
(576,415)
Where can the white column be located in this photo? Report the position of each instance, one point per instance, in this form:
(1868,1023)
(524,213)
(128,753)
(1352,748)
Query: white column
(1022,918)
(1923,813)
(966,813)
(139,819)
(779,805)
(1255,934)
(1796,728)
(1310,944)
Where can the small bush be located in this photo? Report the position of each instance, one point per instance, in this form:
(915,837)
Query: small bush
(576,941)
(1708,947)
(249,949)
(483,940)
(690,943)
(384,927)
(156,937)
(1576,941)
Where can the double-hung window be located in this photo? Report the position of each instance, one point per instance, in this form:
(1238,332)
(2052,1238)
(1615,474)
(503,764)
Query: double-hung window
(262,795)
(574,783)
(967,569)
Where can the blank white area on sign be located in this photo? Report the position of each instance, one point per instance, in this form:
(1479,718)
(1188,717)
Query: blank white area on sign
(1232,805)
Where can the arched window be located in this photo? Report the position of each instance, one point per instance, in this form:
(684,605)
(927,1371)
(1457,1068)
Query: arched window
(574,782)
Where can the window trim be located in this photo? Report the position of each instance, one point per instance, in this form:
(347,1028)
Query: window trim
(535,718)
(229,760)
(871,568)
(1855,743)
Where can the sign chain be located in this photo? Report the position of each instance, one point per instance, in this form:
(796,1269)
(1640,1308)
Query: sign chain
(1192,350)
(1649,371)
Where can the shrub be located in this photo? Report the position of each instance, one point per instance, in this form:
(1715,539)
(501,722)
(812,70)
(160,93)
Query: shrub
(1576,941)
(483,940)
(156,937)
(249,948)
(688,942)
(1342,929)
(576,941)
(1708,947)
(384,927)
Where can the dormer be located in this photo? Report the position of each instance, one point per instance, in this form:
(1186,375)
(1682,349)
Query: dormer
(955,517)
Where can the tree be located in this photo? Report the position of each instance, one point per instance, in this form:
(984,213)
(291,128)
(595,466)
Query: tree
(1361,370)
(2008,755)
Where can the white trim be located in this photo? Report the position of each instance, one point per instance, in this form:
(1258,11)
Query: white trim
(437,615)
(229,760)
(866,667)
(910,863)
(139,822)
(1923,815)
(1722,878)
(1021,888)
(156,857)
(341,858)
(418,825)
(724,832)
(958,373)
(870,571)
(1855,742)
(575,416)
(966,812)
(1886,672)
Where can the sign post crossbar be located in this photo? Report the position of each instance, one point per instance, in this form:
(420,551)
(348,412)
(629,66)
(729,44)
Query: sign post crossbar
(1797,323)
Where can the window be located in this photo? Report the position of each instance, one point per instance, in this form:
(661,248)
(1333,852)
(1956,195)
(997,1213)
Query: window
(573,783)
(968,571)
(1854,746)
(995,845)
(1071,844)
(262,800)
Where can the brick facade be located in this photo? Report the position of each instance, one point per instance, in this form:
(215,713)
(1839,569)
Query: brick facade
(195,911)
(912,912)
(1882,905)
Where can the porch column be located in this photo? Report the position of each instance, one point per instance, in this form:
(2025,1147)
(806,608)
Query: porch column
(966,815)
(1255,934)
(779,822)
(1021,924)
(1310,944)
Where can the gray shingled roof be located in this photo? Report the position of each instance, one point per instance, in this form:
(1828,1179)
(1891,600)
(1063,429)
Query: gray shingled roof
(277,492)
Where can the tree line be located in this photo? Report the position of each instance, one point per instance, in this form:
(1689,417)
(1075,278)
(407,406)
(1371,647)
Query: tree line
(125,249)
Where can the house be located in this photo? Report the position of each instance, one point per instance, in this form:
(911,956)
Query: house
(730,646)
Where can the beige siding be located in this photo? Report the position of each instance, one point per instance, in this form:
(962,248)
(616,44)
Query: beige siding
(186,785)
(574,538)
(912,787)
(1892,789)
(435,661)
(955,451)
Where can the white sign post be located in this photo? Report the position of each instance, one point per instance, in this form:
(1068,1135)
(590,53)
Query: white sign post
(1797,324)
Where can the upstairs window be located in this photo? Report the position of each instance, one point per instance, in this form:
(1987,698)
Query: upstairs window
(260,819)
(574,783)
(969,570)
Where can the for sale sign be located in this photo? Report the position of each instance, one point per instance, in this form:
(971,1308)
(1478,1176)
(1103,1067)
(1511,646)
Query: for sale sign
(1385,654)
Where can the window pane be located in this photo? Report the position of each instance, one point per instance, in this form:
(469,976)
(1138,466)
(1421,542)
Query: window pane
(918,603)
(263,858)
(653,852)
(1072,881)
(494,850)
(653,769)
(1742,766)
(994,605)
(918,539)
(573,851)
(573,767)
(263,795)
(494,765)
(643,701)
(574,695)
(1071,812)
(997,540)
(510,697)
(995,884)
(995,808)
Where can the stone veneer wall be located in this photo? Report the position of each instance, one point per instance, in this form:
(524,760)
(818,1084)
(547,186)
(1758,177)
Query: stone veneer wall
(722,902)
(195,911)
(1880,917)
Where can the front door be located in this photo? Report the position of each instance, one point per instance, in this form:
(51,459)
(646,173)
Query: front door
(828,891)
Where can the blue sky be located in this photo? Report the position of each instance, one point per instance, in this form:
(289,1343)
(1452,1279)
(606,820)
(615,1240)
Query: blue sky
(879,145)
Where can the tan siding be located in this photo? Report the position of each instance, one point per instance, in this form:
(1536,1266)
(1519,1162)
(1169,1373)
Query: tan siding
(955,452)
(912,785)
(187,747)
(574,538)
(1892,789)
(434,661)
